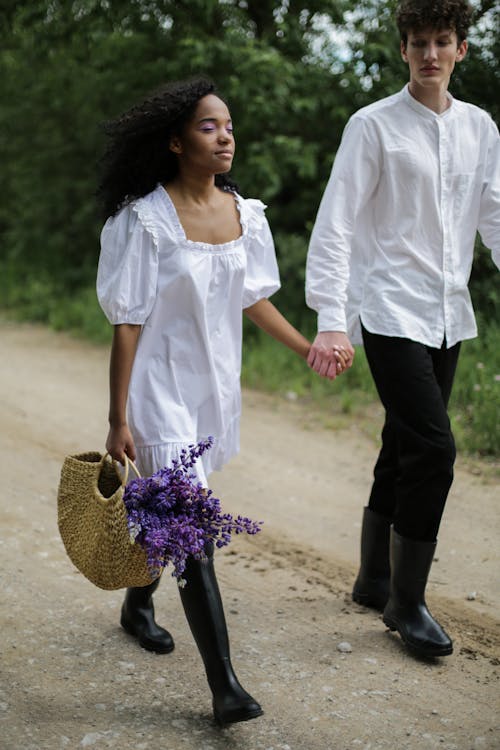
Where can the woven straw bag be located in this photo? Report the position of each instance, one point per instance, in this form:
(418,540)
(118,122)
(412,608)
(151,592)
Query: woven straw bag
(92,521)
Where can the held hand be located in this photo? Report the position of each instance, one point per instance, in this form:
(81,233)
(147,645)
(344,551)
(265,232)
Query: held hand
(331,354)
(119,442)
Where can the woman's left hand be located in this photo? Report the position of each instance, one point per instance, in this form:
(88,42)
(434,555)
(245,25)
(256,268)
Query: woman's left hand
(331,354)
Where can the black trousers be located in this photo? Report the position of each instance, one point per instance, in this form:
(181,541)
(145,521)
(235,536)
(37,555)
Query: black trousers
(414,470)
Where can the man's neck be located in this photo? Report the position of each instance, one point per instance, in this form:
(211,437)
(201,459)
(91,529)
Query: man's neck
(434,98)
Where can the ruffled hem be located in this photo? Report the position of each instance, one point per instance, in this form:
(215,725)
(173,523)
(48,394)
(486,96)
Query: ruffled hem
(151,458)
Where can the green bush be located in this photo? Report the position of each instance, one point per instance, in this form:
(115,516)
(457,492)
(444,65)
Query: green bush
(291,90)
(475,401)
(40,299)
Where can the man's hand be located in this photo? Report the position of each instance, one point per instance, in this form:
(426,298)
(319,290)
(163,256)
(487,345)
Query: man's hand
(331,354)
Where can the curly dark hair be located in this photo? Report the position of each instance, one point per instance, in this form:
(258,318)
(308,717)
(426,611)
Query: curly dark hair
(417,15)
(137,157)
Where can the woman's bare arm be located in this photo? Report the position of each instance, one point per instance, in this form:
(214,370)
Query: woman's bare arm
(123,349)
(265,315)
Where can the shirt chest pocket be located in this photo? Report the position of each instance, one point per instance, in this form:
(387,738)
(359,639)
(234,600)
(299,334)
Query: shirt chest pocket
(400,160)
(463,192)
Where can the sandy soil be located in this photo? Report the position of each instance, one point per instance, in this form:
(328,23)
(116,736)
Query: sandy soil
(71,678)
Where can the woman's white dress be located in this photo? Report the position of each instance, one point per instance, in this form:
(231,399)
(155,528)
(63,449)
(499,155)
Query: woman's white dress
(188,297)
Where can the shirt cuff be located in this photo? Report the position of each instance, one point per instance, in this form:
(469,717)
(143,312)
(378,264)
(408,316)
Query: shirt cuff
(331,320)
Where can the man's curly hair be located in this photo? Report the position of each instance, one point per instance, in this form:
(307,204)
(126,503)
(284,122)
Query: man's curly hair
(138,156)
(417,15)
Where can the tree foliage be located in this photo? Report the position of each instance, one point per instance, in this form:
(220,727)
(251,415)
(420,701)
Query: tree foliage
(293,71)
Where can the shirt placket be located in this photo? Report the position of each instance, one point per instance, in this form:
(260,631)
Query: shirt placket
(445,197)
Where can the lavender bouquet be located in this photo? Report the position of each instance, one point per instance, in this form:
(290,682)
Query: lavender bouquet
(172,516)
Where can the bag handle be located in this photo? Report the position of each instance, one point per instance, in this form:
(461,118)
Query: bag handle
(127,464)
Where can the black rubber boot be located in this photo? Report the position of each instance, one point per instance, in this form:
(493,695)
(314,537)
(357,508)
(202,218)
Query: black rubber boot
(138,619)
(406,610)
(372,585)
(205,614)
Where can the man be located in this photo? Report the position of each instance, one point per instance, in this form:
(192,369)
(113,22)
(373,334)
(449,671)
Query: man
(416,175)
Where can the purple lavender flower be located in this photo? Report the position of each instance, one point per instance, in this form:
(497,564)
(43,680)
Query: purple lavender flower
(172,516)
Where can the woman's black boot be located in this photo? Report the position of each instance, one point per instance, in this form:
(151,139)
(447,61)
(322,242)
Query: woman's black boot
(205,614)
(406,610)
(138,619)
(372,585)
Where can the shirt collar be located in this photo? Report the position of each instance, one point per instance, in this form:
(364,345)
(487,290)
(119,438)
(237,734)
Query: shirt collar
(422,109)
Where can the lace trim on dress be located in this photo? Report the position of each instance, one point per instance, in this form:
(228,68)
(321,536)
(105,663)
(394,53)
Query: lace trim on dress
(253,217)
(143,210)
(251,213)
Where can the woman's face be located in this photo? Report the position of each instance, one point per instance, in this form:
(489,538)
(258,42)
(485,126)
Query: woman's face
(206,144)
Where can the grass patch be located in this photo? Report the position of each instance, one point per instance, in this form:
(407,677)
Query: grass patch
(474,404)
(475,400)
(40,300)
(270,367)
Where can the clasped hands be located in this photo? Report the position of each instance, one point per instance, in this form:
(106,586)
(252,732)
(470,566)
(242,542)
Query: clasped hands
(331,354)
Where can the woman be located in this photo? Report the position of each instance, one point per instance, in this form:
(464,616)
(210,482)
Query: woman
(181,255)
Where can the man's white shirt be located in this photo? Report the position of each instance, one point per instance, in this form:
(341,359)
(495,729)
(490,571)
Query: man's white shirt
(393,240)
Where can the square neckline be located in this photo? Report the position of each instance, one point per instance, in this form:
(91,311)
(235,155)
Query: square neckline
(181,233)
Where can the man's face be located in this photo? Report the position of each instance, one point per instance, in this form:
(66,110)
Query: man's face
(431,55)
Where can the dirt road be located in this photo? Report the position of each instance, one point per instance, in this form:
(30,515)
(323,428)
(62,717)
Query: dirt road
(71,678)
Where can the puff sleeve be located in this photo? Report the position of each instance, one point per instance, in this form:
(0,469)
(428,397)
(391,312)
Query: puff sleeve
(128,268)
(262,274)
